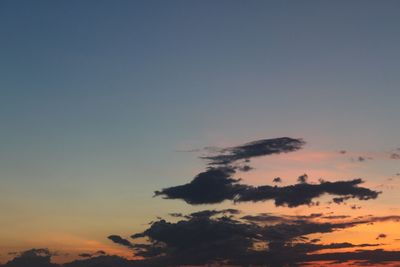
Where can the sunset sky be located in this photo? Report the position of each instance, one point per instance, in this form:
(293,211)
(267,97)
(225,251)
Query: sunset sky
(104,102)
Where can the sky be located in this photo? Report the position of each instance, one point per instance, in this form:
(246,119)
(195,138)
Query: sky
(104,102)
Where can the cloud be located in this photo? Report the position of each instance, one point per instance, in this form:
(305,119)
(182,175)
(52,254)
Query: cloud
(302,178)
(268,218)
(210,213)
(245,168)
(335,217)
(227,156)
(372,219)
(395,156)
(212,186)
(368,257)
(381,236)
(212,236)
(199,240)
(105,261)
(265,218)
(121,241)
(217,184)
(303,193)
(89,255)
(268,239)
(308,247)
(277,180)
(85,255)
(40,257)
(222,236)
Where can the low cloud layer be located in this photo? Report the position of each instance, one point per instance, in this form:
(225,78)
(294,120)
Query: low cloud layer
(227,237)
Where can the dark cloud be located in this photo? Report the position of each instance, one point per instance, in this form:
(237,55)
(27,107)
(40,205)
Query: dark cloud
(312,247)
(85,255)
(105,261)
(368,257)
(245,168)
(302,178)
(212,186)
(286,255)
(220,236)
(277,180)
(339,200)
(334,217)
(395,156)
(303,193)
(121,241)
(217,185)
(89,255)
(206,213)
(210,213)
(199,240)
(265,218)
(372,219)
(381,236)
(40,257)
(268,218)
(177,215)
(211,237)
(259,148)
(361,159)
(296,230)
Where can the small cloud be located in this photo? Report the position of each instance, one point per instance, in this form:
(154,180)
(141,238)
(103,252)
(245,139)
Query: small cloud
(361,159)
(277,180)
(395,156)
(302,178)
(381,236)
(245,168)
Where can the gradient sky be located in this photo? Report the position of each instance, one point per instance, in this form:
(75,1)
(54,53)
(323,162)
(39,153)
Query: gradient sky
(98,98)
